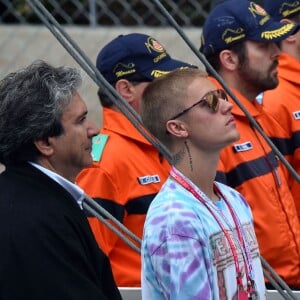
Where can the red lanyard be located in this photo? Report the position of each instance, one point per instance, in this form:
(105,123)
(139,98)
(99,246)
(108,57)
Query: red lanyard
(244,248)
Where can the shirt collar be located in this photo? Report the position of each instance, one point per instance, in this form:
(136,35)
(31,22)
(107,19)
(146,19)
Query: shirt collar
(76,192)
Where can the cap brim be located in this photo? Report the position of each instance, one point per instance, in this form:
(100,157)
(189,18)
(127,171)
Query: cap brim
(275,32)
(165,67)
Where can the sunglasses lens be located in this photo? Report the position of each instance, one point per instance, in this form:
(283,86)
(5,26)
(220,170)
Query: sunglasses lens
(212,101)
(223,95)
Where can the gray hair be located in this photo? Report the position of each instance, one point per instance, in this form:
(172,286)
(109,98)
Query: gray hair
(32,101)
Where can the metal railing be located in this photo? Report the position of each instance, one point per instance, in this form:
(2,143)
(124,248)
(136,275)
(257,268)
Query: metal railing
(109,12)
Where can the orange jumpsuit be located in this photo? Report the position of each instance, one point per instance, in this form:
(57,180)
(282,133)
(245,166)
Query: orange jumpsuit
(128,175)
(283,103)
(250,166)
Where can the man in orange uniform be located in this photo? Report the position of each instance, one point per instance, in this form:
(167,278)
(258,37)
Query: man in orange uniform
(283,103)
(243,51)
(128,171)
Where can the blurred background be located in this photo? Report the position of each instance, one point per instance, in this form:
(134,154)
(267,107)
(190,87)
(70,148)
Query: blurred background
(91,24)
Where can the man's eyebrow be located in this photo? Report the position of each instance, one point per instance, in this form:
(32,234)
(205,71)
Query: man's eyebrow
(83,114)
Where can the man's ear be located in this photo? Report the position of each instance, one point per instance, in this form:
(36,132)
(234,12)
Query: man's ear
(229,59)
(44,146)
(125,89)
(290,38)
(177,128)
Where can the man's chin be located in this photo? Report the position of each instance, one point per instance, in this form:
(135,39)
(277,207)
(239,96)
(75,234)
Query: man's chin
(271,84)
(88,162)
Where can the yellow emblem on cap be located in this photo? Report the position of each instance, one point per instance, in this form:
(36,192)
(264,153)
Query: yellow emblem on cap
(257,10)
(273,34)
(125,69)
(158,73)
(231,35)
(287,9)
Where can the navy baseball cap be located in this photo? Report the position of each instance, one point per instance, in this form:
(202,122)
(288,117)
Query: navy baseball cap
(279,9)
(136,57)
(234,21)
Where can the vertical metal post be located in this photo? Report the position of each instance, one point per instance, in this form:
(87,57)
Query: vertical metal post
(92,13)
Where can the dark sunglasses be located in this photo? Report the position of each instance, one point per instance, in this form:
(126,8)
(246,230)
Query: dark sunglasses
(211,99)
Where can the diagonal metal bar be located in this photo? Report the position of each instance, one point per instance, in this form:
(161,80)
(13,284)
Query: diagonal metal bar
(276,280)
(99,212)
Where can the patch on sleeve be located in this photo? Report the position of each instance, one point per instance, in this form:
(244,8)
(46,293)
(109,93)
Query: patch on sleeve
(148,179)
(296,115)
(98,144)
(243,147)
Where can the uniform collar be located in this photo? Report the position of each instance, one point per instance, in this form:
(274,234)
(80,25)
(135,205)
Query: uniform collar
(289,68)
(253,107)
(116,122)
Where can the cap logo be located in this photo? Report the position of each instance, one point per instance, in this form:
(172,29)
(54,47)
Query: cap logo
(230,35)
(154,45)
(258,11)
(121,69)
(287,9)
(270,35)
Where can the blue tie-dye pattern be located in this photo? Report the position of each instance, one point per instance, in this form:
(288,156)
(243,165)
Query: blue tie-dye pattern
(176,251)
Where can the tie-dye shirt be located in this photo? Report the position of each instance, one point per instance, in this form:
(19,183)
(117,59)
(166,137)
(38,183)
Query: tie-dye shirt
(185,254)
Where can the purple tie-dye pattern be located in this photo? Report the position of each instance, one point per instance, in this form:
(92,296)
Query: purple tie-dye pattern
(188,214)
(172,186)
(177,258)
(158,220)
(162,236)
(205,293)
(190,270)
(166,266)
(178,255)
(176,205)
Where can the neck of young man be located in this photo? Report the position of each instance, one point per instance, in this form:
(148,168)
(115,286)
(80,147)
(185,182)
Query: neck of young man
(201,171)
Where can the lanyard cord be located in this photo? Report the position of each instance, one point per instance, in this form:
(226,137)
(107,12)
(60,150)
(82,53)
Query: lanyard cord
(189,188)
(240,232)
(245,245)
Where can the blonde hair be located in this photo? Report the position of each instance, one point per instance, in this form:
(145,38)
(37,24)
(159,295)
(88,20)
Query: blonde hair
(163,98)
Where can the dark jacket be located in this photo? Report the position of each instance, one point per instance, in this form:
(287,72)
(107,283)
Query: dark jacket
(47,250)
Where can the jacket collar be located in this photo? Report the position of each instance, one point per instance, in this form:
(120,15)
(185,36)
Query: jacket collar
(116,122)
(289,68)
